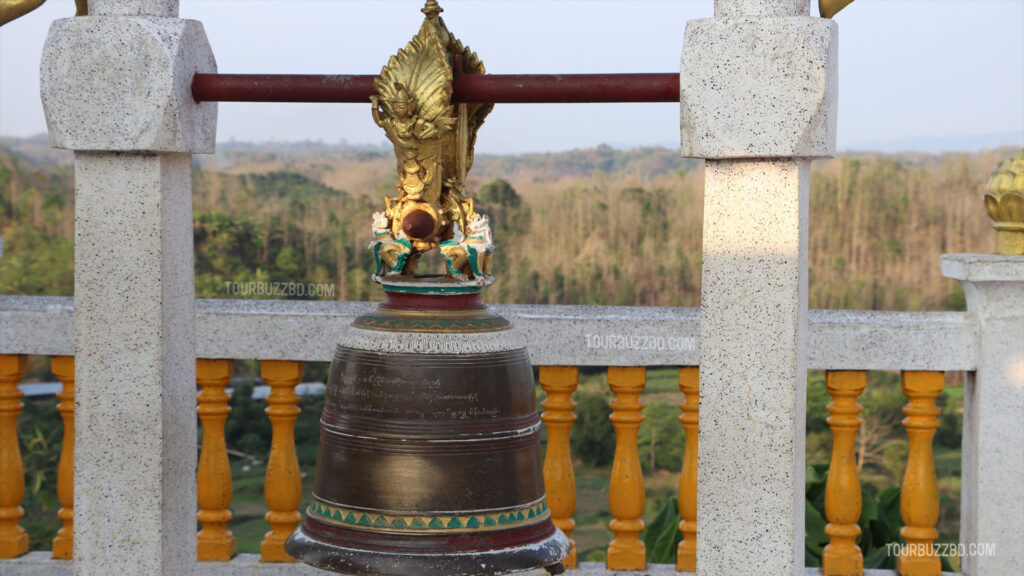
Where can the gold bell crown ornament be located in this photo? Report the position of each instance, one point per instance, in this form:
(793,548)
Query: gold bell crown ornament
(430,461)
(1004,202)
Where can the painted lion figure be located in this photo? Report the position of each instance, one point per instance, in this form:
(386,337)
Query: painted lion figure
(469,255)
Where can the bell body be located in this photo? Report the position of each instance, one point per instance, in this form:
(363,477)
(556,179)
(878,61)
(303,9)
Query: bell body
(429,461)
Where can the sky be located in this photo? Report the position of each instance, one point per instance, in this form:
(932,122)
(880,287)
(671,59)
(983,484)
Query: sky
(913,74)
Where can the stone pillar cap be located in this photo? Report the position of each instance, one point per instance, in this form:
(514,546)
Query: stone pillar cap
(124,84)
(983,267)
(759,88)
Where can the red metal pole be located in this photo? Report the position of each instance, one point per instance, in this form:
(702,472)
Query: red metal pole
(565,88)
(512,88)
(281,88)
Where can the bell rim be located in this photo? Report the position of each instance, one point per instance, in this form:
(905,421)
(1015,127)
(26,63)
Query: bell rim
(547,551)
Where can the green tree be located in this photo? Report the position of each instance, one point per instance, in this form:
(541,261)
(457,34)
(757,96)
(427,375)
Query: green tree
(662,439)
(510,220)
(593,439)
(40,435)
(248,427)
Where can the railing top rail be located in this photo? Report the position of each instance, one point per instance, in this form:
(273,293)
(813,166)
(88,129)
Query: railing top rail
(558,335)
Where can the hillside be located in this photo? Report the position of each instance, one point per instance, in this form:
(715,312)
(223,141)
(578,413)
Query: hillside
(597,226)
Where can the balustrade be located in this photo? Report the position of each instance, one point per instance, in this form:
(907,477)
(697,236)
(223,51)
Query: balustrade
(63,367)
(13,538)
(689,385)
(559,477)
(841,557)
(626,489)
(214,540)
(283,487)
(919,500)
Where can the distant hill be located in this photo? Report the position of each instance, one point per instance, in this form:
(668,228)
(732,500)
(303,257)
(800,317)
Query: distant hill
(594,226)
(35,151)
(936,145)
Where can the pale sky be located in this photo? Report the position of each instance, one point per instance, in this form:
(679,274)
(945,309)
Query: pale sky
(910,70)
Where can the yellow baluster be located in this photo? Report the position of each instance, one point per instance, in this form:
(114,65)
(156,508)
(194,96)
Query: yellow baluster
(284,484)
(13,539)
(919,500)
(689,385)
(626,491)
(842,556)
(215,541)
(559,478)
(63,367)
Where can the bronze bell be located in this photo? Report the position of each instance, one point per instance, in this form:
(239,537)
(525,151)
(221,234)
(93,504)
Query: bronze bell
(429,461)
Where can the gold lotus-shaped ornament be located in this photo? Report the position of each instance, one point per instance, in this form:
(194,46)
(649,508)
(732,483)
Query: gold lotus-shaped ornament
(1004,201)
(829,8)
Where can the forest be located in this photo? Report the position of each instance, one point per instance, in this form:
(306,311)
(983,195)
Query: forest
(596,226)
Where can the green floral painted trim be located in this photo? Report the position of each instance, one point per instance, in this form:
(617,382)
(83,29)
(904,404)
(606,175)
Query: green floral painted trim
(369,521)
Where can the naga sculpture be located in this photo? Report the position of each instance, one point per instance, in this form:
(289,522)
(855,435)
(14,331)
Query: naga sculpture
(433,141)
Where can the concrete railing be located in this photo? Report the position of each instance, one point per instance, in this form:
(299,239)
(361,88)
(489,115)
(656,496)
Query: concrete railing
(558,335)
(283,334)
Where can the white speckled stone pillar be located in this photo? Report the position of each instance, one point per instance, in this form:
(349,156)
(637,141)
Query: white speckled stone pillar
(992,502)
(116,90)
(761,8)
(753,361)
(133,8)
(758,102)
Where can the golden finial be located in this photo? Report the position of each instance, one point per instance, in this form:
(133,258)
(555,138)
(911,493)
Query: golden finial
(433,141)
(432,9)
(11,9)
(1005,204)
(829,8)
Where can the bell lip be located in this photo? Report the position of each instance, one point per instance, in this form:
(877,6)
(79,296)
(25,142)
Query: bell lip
(433,284)
(546,552)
